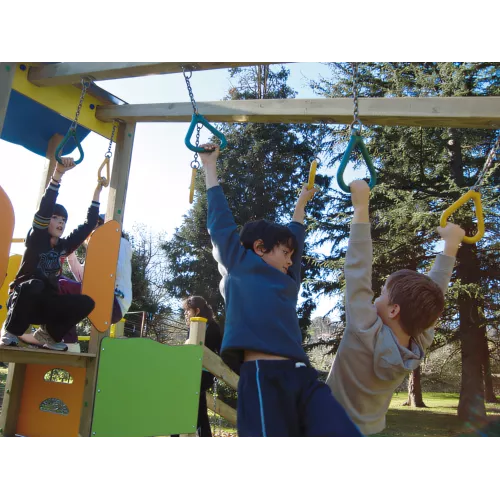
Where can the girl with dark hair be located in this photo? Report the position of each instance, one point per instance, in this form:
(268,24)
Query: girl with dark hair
(197,306)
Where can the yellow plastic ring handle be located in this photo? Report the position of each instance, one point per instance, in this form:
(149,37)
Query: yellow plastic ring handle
(476,197)
(191,187)
(312,174)
(105,163)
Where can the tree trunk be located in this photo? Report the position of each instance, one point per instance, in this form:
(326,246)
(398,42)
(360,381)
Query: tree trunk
(415,390)
(489,393)
(471,405)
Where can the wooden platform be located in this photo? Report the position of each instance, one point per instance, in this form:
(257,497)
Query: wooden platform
(28,355)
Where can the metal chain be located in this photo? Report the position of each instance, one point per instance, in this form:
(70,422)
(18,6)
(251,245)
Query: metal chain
(195,163)
(109,154)
(86,82)
(190,90)
(487,165)
(217,417)
(355,95)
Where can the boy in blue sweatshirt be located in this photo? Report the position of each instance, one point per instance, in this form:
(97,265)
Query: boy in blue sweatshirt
(279,393)
(34,294)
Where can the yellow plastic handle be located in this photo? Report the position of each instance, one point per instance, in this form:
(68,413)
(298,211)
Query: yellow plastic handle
(191,187)
(105,163)
(312,174)
(476,197)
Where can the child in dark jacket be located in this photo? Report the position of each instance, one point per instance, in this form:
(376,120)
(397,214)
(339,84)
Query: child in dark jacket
(34,294)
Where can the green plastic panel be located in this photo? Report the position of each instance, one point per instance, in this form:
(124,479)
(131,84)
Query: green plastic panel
(145,388)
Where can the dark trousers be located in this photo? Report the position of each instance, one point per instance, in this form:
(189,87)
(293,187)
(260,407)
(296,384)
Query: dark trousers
(32,302)
(71,287)
(285,398)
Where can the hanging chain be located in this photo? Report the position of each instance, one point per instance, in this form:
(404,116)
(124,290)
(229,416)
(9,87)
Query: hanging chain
(487,165)
(109,154)
(195,163)
(355,96)
(86,83)
(217,417)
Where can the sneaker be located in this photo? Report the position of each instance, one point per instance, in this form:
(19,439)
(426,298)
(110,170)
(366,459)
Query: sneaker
(7,339)
(48,342)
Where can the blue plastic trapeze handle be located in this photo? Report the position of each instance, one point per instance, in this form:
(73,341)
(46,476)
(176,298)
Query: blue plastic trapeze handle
(71,133)
(356,140)
(197,118)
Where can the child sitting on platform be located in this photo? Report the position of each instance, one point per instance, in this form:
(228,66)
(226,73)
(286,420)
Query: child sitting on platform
(34,294)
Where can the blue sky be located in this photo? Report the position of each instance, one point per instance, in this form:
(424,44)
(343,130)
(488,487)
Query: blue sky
(158,187)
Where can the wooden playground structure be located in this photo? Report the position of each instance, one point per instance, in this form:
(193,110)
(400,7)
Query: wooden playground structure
(160,397)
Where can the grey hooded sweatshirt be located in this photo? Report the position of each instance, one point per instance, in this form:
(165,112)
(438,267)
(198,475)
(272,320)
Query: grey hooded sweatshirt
(370,363)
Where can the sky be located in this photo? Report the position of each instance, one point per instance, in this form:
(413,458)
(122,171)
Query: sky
(158,189)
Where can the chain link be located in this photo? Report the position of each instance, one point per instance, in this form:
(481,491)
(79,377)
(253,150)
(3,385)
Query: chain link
(190,90)
(86,83)
(109,154)
(217,417)
(355,96)
(487,164)
(195,163)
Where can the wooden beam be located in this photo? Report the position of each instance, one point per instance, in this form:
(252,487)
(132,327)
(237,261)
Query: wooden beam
(28,355)
(71,72)
(460,112)
(120,172)
(50,165)
(7,71)
(217,367)
(12,399)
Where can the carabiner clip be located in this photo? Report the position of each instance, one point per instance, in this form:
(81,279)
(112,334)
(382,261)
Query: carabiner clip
(356,140)
(71,133)
(197,118)
(99,176)
(194,171)
(312,173)
(476,197)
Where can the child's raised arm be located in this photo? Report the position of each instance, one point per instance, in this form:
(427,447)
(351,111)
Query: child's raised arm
(442,268)
(43,215)
(361,313)
(82,232)
(220,222)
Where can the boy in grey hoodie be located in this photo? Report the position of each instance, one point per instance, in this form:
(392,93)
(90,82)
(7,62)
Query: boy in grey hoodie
(385,340)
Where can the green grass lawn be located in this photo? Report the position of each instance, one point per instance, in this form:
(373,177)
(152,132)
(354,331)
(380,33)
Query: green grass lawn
(439,419)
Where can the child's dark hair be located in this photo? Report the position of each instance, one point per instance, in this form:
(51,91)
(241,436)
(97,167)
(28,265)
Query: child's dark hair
(270,233)
(60,211)
(197,302)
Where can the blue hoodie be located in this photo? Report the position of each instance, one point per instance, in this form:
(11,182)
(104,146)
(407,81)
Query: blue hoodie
(261,301)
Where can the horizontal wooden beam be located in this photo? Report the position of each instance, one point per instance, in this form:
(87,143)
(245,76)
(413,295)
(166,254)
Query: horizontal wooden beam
(217,367)
(460,112)
(71,72)
(43,357)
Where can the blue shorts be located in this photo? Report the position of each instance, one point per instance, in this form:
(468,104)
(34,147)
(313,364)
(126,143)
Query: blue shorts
(285,398)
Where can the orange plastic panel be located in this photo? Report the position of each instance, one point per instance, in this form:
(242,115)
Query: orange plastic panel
(100,272)
(13,267)
(6,232)
(36,423)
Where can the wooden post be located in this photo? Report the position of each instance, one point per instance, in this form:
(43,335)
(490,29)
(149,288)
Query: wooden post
(197,330)
(50,165)
(12,399)
(120,173)
(115,210)
(7,71)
